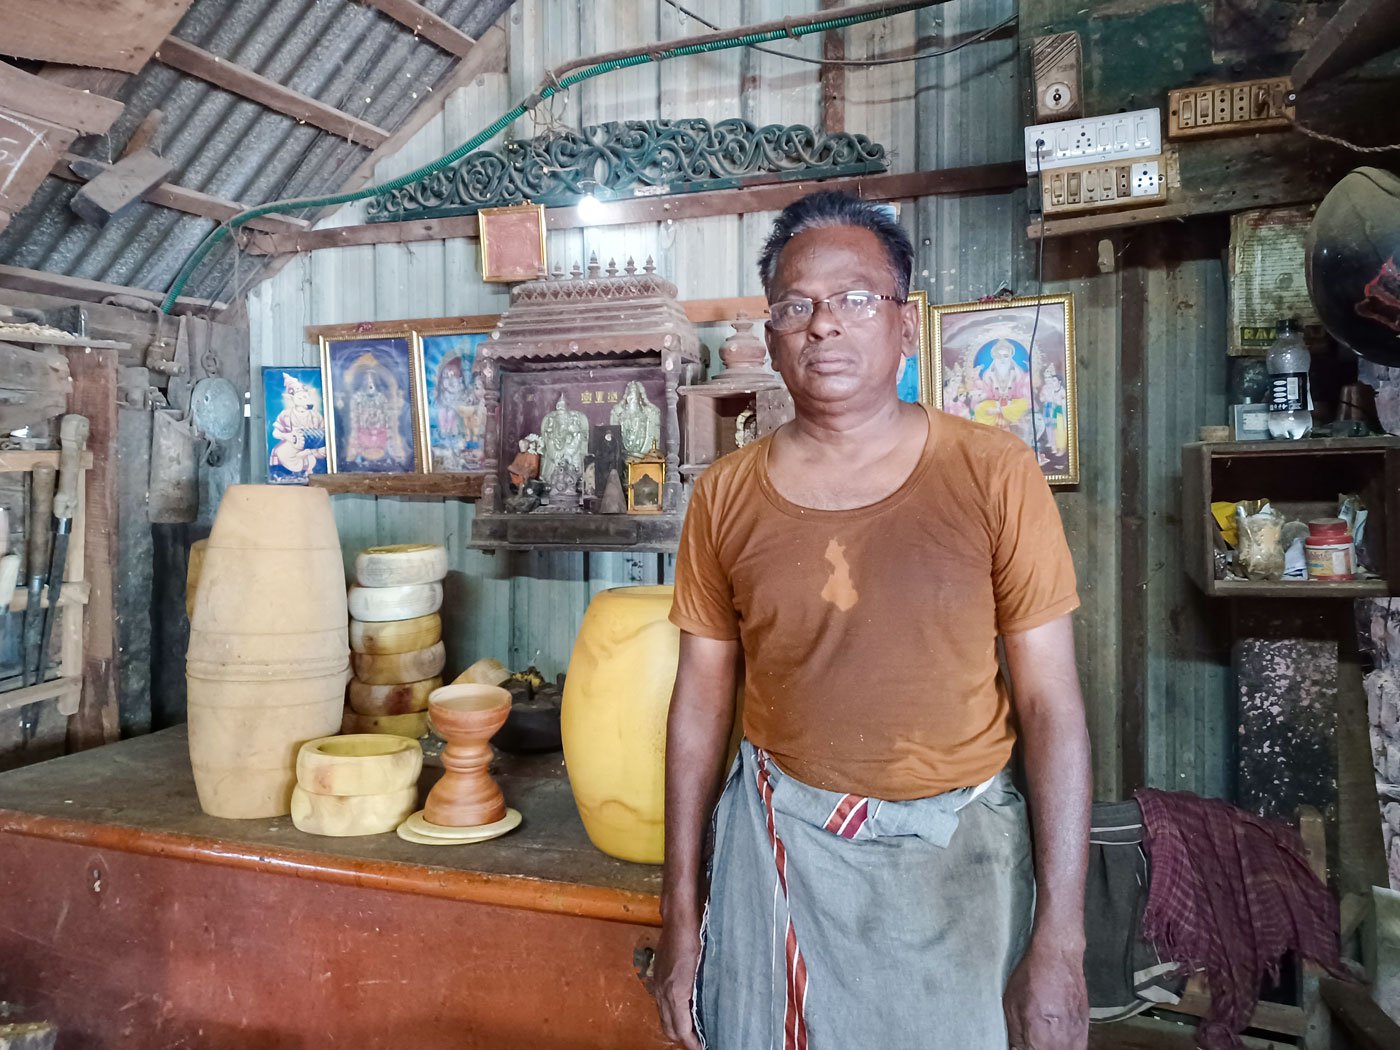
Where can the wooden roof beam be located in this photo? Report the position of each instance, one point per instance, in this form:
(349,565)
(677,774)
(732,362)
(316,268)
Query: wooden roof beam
(196,62)
(181,198)
(770,196)
(22,92)
(424,23)
(1358,32)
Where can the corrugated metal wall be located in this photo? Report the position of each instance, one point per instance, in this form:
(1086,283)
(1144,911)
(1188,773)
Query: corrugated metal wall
(960,109)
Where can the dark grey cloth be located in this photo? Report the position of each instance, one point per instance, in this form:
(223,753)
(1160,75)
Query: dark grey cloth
(908,928)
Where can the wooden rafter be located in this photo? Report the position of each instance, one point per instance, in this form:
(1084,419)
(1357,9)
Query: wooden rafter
(1359,31)
(22,92)
(180,198)
(985,178)
(424,23)
(21,279)
(196,62)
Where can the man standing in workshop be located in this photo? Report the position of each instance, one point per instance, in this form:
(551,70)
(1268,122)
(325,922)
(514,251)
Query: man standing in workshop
(872,876)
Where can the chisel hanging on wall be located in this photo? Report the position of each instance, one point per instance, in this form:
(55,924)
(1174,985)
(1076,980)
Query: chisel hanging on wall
(73,436)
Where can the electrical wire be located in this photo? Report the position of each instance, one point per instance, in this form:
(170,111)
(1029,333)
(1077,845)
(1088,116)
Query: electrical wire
(976,39)
(1322,136)
(551,87)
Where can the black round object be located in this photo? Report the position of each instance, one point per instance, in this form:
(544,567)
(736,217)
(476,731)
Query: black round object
(1353,264)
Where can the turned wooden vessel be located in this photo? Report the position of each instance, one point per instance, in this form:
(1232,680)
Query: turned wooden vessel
(467,716)
(268,654)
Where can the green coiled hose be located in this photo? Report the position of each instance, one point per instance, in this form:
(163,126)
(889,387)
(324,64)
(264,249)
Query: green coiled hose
(548,91)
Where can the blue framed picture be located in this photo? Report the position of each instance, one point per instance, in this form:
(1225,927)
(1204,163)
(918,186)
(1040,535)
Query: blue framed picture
(370,410)
(914,380)
(454,408)
(295,421)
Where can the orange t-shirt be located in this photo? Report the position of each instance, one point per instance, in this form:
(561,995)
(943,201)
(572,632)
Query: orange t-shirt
(869,635)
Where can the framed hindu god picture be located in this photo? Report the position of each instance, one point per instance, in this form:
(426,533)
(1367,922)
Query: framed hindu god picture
(1009,363)
(294,416)
(370,405)
(914,380)
(453,417)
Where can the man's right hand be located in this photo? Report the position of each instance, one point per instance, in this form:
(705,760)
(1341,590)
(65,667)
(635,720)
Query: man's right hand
(677,960)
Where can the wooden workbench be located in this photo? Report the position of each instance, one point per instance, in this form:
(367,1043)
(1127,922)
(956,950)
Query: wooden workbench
(133,920)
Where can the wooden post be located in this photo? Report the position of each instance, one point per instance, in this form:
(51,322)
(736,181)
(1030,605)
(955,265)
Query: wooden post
(95,396)
(833,77)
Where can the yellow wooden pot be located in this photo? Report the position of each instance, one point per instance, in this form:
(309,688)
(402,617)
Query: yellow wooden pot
(616,697)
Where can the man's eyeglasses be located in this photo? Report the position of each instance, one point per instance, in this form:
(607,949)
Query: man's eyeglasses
(788,315)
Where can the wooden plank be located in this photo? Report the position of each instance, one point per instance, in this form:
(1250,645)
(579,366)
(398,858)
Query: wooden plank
(119,186)
(196,62)
(15,460)
(1369,1027)
(448,486)
(111,34)
(54,689)
(1359,31)
(39,97)
(699,311)
(421,325)
(976,179)
(23,280)
(95,396)
(833,76)
(424,23)
(145,133)
(1225,175)
(1268,1017)
(28,148)
(75,593)
(181,198)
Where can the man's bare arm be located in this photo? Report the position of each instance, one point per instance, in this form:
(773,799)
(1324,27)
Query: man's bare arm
(697,742)
(1047,1008)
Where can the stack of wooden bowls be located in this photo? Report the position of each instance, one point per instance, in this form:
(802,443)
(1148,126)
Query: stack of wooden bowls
(365,784)
(395,638)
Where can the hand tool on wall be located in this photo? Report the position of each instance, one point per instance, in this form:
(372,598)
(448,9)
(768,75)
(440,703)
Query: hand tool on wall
(36,564)
(72,436)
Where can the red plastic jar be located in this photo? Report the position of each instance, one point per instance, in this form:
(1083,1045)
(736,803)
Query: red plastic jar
(1329,549)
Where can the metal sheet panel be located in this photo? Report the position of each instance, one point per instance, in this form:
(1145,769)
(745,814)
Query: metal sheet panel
(963,108)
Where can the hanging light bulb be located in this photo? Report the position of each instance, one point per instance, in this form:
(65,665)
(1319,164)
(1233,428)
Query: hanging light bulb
(590,209)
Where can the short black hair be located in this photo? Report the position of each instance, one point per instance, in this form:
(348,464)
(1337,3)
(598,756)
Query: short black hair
(834,208)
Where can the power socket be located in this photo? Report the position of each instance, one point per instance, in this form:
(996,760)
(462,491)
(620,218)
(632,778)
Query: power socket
(1230,109)
(1112,138)
(1098,187)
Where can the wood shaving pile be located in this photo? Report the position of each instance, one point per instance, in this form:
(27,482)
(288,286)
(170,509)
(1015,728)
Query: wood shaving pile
(30,330)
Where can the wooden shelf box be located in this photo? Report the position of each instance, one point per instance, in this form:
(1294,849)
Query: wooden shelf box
(1302,479)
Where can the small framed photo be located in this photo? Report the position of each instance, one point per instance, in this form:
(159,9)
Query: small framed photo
(371,415)
(644,480)
(295,419)
(1009,363)
(453,417)
(914,381)
(512,243)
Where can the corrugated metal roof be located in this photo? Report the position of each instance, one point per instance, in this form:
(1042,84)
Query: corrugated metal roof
(342,53)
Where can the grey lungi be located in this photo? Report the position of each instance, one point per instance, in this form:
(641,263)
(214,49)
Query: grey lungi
(836,921)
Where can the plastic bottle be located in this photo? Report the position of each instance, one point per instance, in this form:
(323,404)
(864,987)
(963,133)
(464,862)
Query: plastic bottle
(1290,400)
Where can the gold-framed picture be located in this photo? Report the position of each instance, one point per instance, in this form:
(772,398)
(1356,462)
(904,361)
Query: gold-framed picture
(452,416)
(916,378)
(512,243)
(371,405)
(1009,363)
(645,478)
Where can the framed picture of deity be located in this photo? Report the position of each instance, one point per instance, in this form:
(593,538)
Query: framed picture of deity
(371,415)
(452,425)
(914,382)
(1009,363)
(294,415)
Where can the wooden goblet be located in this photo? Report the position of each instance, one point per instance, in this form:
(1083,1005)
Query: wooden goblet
(466,716)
